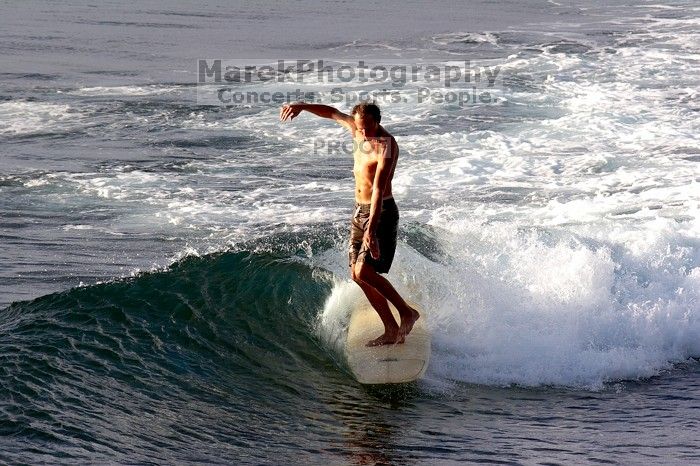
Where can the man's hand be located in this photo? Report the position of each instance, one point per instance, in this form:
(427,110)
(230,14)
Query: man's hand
(289,111)
(371,243)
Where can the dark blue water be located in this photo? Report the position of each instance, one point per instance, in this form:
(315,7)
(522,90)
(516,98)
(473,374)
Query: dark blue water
(192,365)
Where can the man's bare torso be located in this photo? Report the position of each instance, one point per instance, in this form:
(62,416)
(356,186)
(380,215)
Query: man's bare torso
(366,154)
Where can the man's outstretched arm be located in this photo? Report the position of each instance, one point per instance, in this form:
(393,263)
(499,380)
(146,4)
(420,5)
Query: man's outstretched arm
(289,111)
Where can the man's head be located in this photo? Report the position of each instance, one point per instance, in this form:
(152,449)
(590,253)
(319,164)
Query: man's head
(367,117)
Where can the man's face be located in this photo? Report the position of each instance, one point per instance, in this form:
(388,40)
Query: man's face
(365,125)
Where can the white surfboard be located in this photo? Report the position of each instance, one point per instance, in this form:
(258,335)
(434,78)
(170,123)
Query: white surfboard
(400,363)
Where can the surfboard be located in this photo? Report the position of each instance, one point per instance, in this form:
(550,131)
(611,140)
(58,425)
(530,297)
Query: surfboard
(386,364)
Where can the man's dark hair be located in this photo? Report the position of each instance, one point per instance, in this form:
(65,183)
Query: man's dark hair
(367,108)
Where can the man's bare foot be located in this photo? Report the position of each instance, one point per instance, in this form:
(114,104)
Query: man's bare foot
(385,339)
(407,324)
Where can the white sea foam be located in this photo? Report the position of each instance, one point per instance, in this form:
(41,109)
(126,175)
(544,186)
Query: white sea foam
(465,37)
(536,307)
(19,118)
(125,90)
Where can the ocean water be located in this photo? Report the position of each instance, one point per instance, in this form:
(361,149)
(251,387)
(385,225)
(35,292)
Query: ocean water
(173,286)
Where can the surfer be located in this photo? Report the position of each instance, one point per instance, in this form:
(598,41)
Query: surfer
(375,216)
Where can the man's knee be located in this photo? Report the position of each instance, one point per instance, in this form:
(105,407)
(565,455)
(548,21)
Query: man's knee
(363,271)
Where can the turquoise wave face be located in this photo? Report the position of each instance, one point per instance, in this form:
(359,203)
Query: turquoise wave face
(122,358)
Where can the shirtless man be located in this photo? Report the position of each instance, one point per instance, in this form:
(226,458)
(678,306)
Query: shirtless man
(375,217)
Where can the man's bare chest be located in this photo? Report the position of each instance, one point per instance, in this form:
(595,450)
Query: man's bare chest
(365,161)
(367,149)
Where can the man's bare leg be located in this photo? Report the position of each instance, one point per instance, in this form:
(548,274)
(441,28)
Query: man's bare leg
(380,304)
(409,315)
